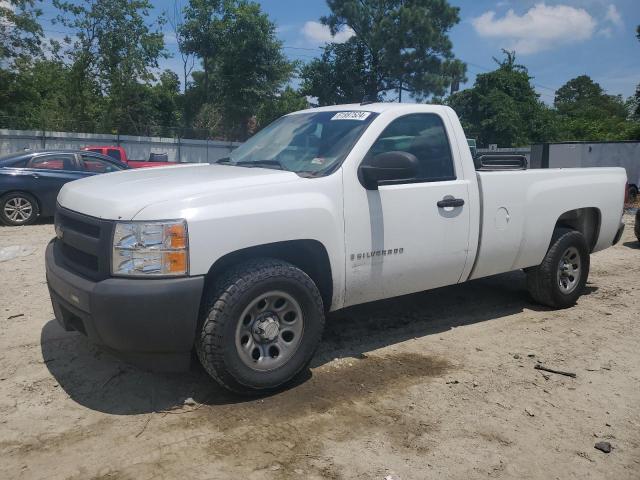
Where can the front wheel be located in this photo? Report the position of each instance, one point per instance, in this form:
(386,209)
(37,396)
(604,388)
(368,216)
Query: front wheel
(559,280)
(262,323)
(18,208)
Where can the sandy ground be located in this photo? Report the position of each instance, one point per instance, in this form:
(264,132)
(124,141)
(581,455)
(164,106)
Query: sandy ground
(434,385)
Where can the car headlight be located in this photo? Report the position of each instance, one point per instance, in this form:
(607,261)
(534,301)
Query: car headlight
(150,248)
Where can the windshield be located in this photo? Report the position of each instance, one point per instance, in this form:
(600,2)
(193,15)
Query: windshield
(305,143)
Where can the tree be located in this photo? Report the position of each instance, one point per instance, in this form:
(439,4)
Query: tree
(243,62)
(583,97)
(166,102)
(286,102)
(636,111)
(177,21)
(200,33)
(504,108)
(114,52)
(251,68)
(587,112)
(31,97)
(339,75)
(20,32)
(406,43)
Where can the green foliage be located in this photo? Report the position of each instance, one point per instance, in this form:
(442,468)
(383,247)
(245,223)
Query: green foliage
(288,101)
(636,99)
(582,97)
(104,76)
(250,67)
(243,66)
(20,32)
(588,113)
(406,46)
(112,55)
(201,35)
(31,97)
(503,107)
(339,75)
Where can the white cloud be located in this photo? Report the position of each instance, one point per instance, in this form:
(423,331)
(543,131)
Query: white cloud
(613,16)
(316,32)
(605,32)
(542,27)
(170,38)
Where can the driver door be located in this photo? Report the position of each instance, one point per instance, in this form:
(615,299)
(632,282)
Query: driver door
(398,239)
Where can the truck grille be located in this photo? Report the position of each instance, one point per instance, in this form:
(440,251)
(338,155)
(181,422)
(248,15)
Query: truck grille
(84,243)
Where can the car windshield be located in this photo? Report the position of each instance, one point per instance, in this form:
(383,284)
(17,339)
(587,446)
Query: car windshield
(305,143)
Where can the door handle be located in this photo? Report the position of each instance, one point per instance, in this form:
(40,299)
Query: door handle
(450,202)
(35,175)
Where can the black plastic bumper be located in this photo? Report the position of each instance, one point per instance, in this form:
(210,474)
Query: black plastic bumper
(618,236)
(149,322)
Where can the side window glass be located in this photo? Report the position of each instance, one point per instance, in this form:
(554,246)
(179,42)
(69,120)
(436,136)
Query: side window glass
(52,162)
(18,164)
(97,165)
(423,135)
(113,153)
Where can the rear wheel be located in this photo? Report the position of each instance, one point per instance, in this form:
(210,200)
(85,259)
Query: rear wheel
(559,280)
(262,323)
(18,208)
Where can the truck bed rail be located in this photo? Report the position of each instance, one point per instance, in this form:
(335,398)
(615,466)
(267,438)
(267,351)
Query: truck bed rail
(486,163)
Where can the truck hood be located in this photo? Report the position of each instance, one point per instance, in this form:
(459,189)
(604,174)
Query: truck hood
(121,195)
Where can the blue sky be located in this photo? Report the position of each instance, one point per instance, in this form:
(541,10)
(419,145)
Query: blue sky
(556,40)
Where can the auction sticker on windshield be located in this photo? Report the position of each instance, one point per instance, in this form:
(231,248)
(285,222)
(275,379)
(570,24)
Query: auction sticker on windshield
(351,116)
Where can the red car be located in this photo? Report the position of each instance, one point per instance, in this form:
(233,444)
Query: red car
(119,153)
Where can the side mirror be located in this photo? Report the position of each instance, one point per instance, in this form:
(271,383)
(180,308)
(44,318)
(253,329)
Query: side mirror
(389,166)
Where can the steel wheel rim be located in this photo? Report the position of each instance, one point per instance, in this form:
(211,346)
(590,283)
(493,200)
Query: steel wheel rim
(18,209)
(269,331)
(569,270)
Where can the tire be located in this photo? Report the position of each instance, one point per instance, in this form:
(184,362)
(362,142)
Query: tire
(636,227)
(632,194)
(18,208)
(551,283)
(249,347)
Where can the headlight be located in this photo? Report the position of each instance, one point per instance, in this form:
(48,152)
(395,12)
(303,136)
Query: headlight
(150,248)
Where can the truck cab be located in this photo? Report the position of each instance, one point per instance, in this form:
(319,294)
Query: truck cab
(323,209)
(119,153)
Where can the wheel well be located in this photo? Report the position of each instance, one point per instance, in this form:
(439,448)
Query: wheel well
(310,256)
(585,221)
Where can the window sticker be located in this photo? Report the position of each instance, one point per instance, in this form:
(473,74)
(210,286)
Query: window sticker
(351,116)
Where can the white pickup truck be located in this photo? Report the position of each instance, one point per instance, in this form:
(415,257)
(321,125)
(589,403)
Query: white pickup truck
(323,209)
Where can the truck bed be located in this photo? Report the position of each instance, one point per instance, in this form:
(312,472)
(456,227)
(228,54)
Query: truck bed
(519,210)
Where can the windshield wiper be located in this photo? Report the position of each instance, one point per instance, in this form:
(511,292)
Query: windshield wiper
(261,163)
(222,160)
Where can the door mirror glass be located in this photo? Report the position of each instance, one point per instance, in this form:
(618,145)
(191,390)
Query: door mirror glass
(391,166)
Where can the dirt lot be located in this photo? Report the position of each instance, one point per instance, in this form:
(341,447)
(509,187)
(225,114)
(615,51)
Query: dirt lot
(434,385)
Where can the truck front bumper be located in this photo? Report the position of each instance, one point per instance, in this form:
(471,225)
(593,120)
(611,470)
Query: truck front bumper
(149,322)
